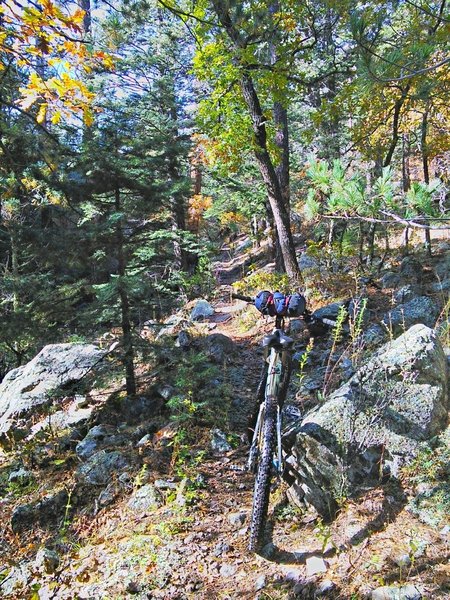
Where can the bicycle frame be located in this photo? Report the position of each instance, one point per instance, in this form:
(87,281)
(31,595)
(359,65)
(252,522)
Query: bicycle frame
(272,388)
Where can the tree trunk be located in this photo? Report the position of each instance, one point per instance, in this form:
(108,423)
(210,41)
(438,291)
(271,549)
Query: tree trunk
(261,151)
(396,124)
(406,152)
(127,338)
(87,19)
(267,170)
(426,171)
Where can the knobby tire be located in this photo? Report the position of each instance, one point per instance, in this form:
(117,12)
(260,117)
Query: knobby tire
(262,482)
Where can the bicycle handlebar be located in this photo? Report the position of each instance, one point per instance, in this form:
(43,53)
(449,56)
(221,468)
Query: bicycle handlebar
(307,316)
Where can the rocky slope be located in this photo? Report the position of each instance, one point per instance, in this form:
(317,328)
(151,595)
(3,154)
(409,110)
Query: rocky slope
(129,502)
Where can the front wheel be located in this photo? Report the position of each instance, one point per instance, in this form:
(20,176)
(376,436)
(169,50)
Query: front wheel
(262,482)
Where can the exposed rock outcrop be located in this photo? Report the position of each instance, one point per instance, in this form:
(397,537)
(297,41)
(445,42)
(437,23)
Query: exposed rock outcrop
(374,422)
(26,390)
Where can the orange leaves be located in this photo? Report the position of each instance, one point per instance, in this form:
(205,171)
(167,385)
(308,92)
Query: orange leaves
(198,204)
(46,31)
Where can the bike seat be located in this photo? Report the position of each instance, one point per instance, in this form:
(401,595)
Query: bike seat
(277,339)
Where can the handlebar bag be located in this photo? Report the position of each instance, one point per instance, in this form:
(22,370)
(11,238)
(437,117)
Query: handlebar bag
(280,302)
(296,305)
(264,303)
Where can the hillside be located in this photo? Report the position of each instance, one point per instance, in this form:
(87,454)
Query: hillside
(149,497)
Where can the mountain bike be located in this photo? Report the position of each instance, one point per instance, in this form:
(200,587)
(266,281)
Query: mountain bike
(271,394)
(265,456)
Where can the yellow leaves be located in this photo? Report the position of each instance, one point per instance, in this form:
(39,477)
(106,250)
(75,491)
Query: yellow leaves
(106,60)
(88,116)
(56,117)
(41,33)
(42,112)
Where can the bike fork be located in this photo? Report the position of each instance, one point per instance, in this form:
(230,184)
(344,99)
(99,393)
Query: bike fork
(278,461)
(253,454)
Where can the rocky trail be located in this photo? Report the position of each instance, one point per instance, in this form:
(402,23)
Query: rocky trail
(132,511)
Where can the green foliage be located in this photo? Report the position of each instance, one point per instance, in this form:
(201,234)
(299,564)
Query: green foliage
(202,282)
(303,361)
(200,399)
(431,469)
(334,193)
(255,282)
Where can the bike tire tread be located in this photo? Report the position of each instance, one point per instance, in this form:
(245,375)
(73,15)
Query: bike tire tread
(262,481)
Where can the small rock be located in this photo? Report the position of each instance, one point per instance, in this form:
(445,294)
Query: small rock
(144,440)
(405,592)
(183,340)
(220,548)
(133,587)
(219,441)
(108,495)
(21,476)
(47,560)
(162,484)
(260,583)
(166,391)
(402,561)
(268,551)
(144,499)
(227,570)
(325,586)
(237,519)
(445,531)
(315,565)
(202,310)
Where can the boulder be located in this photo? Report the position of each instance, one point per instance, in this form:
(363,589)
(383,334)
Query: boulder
(101,467)
(46,513)
(374,422)
(201,310)
(26,390)
(421,309)
(217,347)
(98,436)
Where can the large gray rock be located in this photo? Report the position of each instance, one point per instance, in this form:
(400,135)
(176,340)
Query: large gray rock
(381,416)
(421,309)
(217,347)
(101,467)
(26,389)
(201,310)
(97,437)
